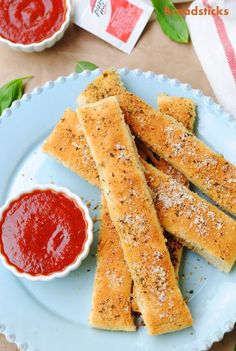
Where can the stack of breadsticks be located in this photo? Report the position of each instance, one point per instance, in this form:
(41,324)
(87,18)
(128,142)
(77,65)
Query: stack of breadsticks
(143,160)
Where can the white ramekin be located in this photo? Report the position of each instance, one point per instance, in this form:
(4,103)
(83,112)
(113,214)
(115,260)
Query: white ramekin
(87,244)
(46,43)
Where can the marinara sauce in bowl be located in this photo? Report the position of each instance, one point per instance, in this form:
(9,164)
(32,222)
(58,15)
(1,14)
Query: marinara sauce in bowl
(33,25)
(45,233)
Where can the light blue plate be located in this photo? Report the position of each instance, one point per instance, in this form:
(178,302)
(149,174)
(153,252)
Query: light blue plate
(52,316)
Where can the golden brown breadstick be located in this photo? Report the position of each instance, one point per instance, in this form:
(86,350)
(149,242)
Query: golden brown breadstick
(206,169)
(111,302)
(134,217)
(198,224)
(68,145)
(181,108)
(107,84)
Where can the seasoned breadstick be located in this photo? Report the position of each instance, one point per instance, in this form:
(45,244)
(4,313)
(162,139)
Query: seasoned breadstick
(68,145)
(111,302)
(206,169)
(199,225)
(182,109)
(107,84)
(133,214)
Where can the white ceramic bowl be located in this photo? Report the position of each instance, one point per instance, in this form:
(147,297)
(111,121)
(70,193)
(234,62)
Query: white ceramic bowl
(81,256)
(46,43)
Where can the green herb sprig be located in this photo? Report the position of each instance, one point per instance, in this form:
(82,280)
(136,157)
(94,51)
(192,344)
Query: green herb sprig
(83,65)
(10,92)
(173,25)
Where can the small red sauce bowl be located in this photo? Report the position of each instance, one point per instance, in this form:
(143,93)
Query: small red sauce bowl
(30,13)
(45,233)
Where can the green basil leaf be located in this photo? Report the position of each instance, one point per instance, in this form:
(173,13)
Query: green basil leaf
(172,24)
(10,92)
(82,65)
(235,348)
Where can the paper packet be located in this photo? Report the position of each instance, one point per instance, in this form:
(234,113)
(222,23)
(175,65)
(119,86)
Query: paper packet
(119,22)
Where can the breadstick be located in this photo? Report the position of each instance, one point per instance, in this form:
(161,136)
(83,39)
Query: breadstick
(199,225)
(134,217)
(206,169)
(68,145)
(107,84)
(111,302)
(182,109)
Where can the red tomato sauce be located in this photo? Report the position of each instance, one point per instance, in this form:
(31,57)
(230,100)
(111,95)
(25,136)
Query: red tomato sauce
(42,232)
(30,21)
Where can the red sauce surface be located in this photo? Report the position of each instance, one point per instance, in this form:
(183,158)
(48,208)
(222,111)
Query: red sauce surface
(30,21)
(42,232)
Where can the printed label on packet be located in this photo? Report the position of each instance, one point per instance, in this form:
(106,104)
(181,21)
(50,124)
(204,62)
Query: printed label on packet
(119,22)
